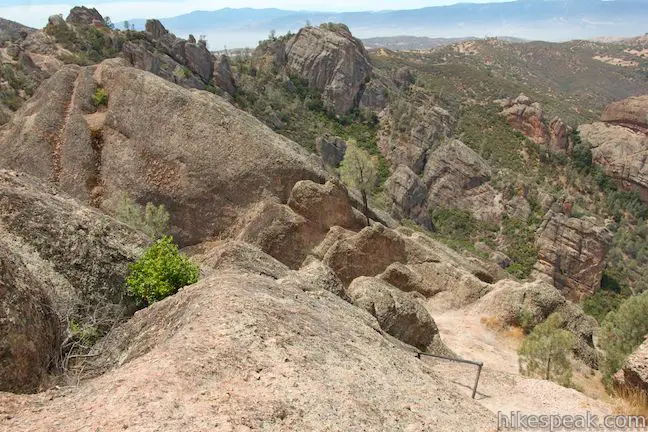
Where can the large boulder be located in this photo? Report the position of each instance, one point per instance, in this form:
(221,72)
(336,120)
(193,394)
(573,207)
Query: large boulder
(572,253)
(327,205)
(62,263)
(81,15)
(333,62)
(619,143)
(457,177)
(408,195)
(398,313)
(242,351)
(511,302)
(331,149)
(205,160)
(223,77)
(367,253)
(527,116)
(631,113)
(29,327)
(633,376)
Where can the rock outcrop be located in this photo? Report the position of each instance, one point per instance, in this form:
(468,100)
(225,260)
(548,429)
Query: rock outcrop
(185,62)
(398,313)
(572,253)
(332,61)
(408,194)
(620,143)
(457,177)
(331,149)
(81,15)
(240,351)
(527,116)
(631,113)
(131,146)
(509,300)
(11,31)
(412,127)
(633,376)
(60,263)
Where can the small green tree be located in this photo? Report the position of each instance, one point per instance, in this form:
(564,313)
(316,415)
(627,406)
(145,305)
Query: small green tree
(152,220)
(545,352)
(160,272)
(358,170)
(100,97)
(622,332)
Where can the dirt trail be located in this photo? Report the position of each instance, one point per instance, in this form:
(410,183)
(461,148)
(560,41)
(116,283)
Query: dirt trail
(501,387)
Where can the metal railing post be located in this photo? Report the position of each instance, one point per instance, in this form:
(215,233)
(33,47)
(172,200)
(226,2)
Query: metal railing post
(478,364)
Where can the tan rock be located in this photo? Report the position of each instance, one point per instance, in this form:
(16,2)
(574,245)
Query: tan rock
(409,196)
(633,375)
(332,61)
(631,113)
(572,252)
(228,162)
(398,314)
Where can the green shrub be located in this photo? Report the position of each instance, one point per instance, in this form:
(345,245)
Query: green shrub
(152,220)
(100,97)
(525,320)
(622,331)
(160,272)
(545,352)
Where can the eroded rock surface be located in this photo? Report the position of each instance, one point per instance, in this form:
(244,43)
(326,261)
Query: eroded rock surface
(633,375)
(332,61)
(228,162)
(572,253)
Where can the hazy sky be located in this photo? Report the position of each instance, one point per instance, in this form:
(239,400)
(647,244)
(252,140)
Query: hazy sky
(35,13)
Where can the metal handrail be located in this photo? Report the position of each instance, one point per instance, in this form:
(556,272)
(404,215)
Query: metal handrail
(475,363)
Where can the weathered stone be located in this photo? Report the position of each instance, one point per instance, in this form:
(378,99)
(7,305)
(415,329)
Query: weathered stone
(398,313)
(633,375)
(333,62)
(367,253)
(226,152)
(331,149)
(223,77)
(631,113)
(326,205)
(572,252)
(457,177)
(60,261)
(81,15)
(409,196)
(155,28)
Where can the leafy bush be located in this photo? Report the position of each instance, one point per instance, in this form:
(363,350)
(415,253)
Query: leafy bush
(160,272)
(521,247)
(525,320)
(622,331)
(545,352)
(152,220)
(100,98)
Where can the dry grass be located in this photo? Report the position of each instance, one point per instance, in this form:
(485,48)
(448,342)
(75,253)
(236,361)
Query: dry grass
(631,402)
(492,322)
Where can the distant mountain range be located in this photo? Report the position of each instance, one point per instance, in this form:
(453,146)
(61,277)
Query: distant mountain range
(400,43)
(528,19)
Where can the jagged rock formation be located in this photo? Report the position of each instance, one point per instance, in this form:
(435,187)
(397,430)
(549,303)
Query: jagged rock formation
(239,350)
(184,62)
(59,262)
(398,313)
(409,196)
(81,15)
(620,143)
(131,146)
(631,113)
(331,149)
(11,31)
(527,116)
(633,375)
(572,253)
(457,177)
(412,127)
(509,300)
(332,61)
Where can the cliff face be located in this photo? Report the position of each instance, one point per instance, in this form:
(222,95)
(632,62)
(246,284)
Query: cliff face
(333,62)
(620,143)
(572,253)
(156,141)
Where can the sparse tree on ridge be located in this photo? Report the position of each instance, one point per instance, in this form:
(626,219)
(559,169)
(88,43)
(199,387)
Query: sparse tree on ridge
(358,170)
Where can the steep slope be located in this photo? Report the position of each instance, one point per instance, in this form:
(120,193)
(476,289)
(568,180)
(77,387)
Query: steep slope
(155,141)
